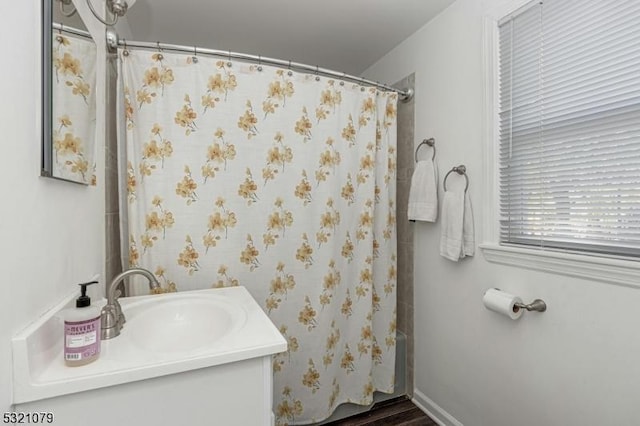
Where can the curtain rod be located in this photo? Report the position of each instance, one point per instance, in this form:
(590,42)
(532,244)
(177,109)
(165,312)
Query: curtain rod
(70,30)
(405,95)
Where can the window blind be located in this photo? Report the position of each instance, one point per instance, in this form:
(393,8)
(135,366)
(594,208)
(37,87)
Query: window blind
(569,126)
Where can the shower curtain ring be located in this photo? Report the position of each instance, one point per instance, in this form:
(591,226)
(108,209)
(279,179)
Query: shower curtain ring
(160,55)
(125,52)
(259,63)
(317,72)
(344,75)
(59,37)
(195,55)
(290,73)
(229,59)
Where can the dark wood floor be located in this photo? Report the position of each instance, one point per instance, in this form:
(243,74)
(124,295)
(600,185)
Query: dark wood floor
(396,412)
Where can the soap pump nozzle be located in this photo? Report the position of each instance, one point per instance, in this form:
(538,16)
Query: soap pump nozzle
(83,301)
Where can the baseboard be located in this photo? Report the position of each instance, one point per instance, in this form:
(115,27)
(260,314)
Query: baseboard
(433,410)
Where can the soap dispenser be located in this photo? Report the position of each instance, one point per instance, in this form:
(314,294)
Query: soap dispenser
(82,331)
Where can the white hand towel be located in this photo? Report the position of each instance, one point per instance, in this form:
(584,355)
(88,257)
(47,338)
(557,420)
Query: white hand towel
(423,194)
(457,238)
(468,230)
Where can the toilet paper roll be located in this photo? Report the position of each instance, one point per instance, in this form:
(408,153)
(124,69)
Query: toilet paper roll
(503,303)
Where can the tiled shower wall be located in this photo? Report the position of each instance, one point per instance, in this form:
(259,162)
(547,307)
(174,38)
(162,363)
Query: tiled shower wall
(406,164)
(113,264)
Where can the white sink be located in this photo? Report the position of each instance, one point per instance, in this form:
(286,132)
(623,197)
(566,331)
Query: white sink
(164,335)
(174,323)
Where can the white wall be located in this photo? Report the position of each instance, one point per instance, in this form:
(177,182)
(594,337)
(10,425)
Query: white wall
(576,364)
(51,232)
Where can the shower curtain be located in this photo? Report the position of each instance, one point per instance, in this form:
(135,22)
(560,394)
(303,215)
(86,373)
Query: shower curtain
(282,182)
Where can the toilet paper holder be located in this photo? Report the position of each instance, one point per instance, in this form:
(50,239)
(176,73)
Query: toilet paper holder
(537,305)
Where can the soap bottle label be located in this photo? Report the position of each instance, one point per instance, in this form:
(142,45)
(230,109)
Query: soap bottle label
(81,339)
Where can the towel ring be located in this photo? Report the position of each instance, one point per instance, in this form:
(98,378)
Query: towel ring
(432,143)
(461,170)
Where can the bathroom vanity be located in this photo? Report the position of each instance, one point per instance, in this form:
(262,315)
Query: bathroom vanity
(195,358)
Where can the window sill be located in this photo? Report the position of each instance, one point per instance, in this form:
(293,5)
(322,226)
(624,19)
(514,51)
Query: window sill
(611,270)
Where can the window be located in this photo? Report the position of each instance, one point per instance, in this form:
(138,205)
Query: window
(569,126)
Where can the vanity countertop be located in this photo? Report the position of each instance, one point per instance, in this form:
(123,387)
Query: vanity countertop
(40,371)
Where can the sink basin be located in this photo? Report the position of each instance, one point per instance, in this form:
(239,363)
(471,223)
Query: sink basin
(174,323)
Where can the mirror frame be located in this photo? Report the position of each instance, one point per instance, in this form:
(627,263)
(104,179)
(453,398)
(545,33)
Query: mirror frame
(46,164)
(47,28)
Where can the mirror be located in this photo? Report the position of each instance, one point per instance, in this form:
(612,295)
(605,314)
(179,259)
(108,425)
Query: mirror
(69,95)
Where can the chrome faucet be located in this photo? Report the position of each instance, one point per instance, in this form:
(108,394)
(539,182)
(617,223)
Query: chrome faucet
(111,316)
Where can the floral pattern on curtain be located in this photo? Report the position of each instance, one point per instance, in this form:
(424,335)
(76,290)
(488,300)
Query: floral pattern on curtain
(238,174)
(74,108)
